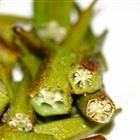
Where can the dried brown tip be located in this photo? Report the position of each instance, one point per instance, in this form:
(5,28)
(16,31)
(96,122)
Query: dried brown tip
(89,65)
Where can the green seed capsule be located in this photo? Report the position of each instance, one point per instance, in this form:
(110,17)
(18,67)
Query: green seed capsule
(51,102)
(68,128)
(97,107)
(20,114)
(85,77)
(26,136)
(50,95)
(6,133)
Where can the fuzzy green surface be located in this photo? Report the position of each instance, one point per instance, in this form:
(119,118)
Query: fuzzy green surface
(67,128)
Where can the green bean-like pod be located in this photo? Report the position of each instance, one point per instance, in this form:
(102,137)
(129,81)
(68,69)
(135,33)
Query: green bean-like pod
(50,94)
(97,107)
(7,133)
(69,128)
(20,115)
(85,77)
(66,100)
(27,136)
